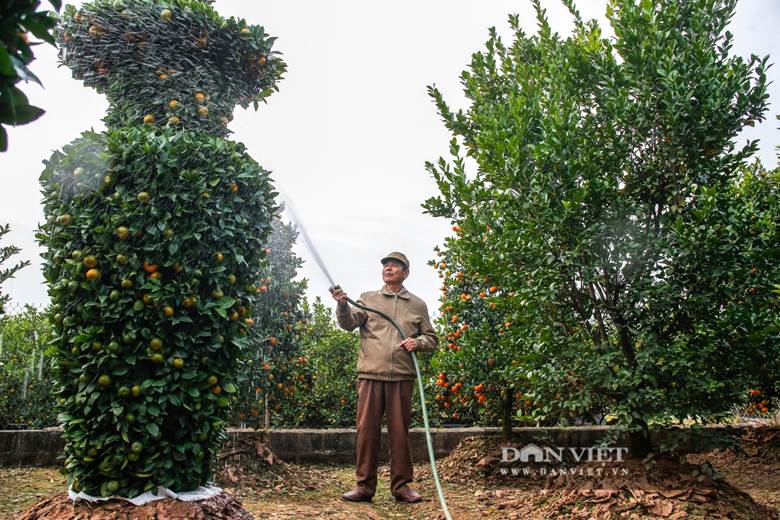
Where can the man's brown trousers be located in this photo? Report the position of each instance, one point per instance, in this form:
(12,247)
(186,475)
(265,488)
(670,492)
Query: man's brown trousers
(375,398)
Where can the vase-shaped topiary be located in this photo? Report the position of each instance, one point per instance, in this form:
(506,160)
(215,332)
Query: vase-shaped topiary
(154,234)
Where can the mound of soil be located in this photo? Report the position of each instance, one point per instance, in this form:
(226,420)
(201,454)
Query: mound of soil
(249,461)
(662,488)
(762,442)
(752,466)
(248,467)
(477,459)
(60,507)
(632,488)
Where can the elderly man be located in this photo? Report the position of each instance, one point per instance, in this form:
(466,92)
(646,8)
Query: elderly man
(386,376)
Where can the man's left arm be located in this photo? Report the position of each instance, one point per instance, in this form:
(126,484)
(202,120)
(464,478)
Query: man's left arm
(426,336)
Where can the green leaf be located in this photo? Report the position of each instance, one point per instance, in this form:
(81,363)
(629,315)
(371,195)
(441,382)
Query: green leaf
(23,72)
(40,25)
(15,111)
(153,430)
(6,66)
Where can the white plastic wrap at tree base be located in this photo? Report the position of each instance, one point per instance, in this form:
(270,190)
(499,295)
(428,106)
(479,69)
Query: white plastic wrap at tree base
(202,493)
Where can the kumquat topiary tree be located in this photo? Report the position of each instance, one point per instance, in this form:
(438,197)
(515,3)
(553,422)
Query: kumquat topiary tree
(155,233)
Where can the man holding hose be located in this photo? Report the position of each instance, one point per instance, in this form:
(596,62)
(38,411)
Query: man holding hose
(386,376)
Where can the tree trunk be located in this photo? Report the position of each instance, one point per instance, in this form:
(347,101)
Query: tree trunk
(639,442)
(508,414)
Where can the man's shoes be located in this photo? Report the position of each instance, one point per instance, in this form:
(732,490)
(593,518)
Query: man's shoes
(357,495)
(409,495)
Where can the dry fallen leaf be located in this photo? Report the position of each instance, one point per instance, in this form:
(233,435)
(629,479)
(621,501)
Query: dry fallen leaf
(662,508)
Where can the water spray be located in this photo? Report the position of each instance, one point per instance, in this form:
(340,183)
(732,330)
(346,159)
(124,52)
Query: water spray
(333,286)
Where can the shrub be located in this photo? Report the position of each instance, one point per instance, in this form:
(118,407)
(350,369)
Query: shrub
(613,222)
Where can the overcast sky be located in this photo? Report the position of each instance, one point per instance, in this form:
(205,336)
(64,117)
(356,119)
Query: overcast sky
(348,134)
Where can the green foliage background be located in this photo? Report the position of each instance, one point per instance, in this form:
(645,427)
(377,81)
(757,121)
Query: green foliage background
(25,360)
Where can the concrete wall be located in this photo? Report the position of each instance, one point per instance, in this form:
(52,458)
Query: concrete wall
(43,447)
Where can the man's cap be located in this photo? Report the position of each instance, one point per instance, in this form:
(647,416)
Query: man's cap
(399,257)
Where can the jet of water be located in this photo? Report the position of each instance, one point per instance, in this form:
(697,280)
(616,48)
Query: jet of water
(309,244)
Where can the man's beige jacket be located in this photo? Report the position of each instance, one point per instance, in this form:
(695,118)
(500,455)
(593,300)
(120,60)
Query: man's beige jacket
(381,356)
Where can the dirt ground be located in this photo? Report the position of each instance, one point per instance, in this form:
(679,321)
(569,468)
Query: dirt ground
(750,488)
(22,487)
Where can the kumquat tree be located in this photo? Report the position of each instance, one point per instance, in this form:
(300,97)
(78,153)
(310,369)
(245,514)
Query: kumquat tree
(155,233)
(277,368)
(614,249)
(474,383)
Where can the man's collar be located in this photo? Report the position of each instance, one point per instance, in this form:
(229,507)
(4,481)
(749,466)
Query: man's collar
(403,293)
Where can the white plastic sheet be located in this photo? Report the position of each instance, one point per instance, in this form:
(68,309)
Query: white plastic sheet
(202,493)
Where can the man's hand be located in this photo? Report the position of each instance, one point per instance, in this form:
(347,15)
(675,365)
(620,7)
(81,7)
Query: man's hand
(339,295)
(410,344)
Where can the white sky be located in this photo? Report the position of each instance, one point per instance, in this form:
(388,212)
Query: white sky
(348,134)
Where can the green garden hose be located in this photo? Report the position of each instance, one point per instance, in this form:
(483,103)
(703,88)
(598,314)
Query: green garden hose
(422,403)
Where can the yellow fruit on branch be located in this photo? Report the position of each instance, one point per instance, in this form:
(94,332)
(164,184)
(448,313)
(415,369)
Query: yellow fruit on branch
(148,119)
(203,111)
(166,14)
(122,232)
(200,97)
